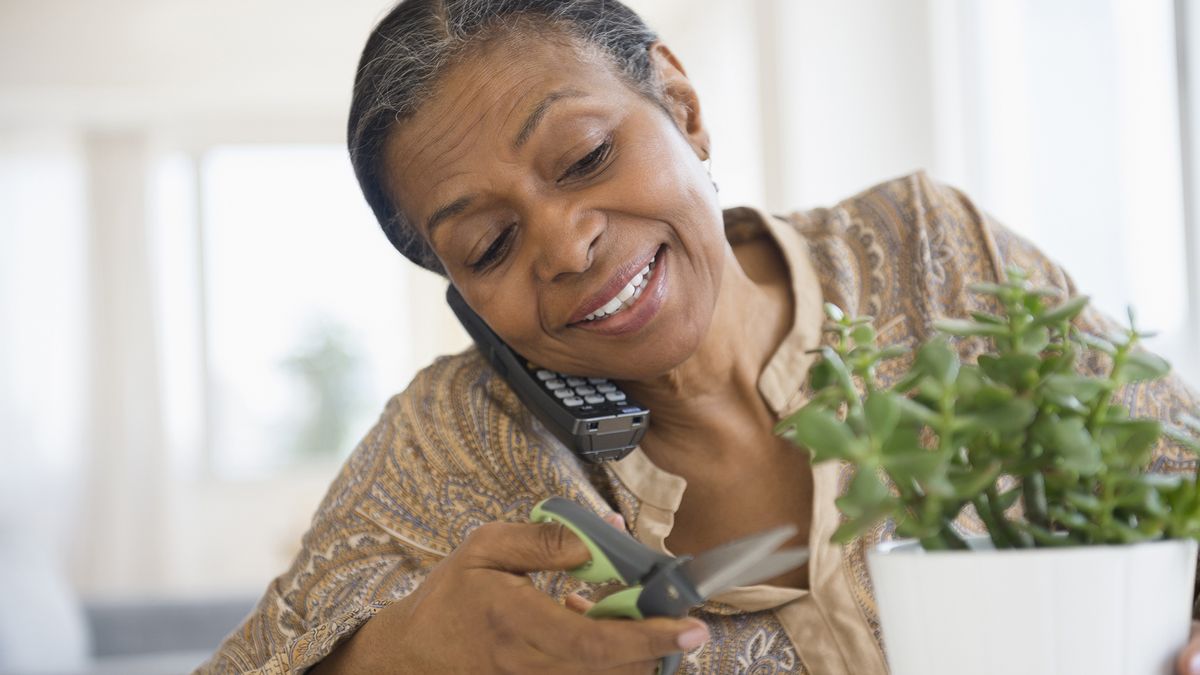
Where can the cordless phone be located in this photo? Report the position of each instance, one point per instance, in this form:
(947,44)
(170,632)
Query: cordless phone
(590,415)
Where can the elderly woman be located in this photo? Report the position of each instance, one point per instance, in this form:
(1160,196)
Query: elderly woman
(542,154)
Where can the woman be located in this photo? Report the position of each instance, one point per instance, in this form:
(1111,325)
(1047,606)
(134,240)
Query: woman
(542,154)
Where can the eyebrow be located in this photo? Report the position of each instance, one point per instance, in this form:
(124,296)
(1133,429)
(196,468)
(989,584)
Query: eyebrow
(539,111)
(447,211)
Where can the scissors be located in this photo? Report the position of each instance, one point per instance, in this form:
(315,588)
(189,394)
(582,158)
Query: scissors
(659,584)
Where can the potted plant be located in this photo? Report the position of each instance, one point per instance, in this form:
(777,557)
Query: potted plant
(1088,562)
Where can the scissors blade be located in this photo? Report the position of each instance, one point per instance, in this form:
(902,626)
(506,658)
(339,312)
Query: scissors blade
(768,568)
(713,570)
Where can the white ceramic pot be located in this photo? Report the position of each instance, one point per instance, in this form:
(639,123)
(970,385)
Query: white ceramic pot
(1094,610)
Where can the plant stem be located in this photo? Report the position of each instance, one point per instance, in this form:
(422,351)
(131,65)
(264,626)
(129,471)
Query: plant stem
(1018,538)
(1033,488)
(984,509)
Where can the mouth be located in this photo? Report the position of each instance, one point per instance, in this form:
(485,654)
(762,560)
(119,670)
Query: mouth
(628,294)
(610,310)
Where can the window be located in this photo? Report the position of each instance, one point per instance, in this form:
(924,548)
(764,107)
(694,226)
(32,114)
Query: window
(283,308)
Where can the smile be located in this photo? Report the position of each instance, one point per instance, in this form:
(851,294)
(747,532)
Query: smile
(624,297)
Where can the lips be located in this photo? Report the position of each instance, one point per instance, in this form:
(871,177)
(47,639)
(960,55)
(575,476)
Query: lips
(608,299)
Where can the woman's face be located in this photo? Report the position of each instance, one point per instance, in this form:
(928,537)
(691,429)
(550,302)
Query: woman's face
(546,186)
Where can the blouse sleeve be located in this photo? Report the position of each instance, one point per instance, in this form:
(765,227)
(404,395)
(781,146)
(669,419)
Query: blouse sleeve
(449,454)
(347,569)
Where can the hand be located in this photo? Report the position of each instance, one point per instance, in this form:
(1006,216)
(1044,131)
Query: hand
(477,611)
(1188,662)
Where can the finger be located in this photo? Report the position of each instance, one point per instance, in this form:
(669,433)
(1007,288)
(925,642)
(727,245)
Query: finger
(524,547)
(577,603)
(616,520)
(608,643)
(1188,661)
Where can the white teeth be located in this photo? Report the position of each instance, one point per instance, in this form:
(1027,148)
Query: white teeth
(612,306)
(625,297)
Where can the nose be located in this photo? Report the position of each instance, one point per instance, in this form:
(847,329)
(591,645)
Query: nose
(564,239)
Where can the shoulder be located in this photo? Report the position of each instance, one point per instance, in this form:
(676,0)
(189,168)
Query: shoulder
(903,250)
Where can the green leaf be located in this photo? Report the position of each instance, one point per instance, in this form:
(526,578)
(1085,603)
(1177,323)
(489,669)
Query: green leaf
(1077,386)
(1008,416)
(1006,499)
(865,492)
(1141,366)
(1013,369)
(997,290)
(907,462)
(1064,312)
(883,413)
(821,374)
(860,524)
(824,435)
(863,334)
(1035,340)
(1086,502)
(1135,438)
(984,317)
(914,410)
(963,328)
(1097,343)
(1069,443)
(939,361)
(971,484)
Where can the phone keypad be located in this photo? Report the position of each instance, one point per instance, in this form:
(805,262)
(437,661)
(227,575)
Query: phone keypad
(581,392)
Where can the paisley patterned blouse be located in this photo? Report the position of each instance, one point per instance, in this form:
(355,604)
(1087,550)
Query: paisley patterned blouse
(457,449)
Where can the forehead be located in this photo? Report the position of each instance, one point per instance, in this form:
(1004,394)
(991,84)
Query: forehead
(482,102)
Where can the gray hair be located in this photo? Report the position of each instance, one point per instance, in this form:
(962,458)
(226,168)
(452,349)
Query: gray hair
(418,39)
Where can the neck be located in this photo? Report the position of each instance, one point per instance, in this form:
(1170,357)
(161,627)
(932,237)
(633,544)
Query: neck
(718,383)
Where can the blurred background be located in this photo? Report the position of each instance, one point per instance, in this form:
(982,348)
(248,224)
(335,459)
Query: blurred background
(199,316)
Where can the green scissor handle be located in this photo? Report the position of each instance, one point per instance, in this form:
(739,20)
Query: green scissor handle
(615,556)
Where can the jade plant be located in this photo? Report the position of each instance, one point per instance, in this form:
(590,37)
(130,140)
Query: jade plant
(1021,424)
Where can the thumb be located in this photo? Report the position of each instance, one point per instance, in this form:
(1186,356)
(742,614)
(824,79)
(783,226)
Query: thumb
(524,547)
(1188,662)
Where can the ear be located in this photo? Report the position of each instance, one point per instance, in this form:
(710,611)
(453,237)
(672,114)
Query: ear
(680,98)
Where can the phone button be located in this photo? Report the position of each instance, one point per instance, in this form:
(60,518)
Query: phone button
(575,381)
(597,380)
(555,384)
(584,391)
(544,374)
(606,388)
(572,401)
(594,399)
(615,396)
(564,393)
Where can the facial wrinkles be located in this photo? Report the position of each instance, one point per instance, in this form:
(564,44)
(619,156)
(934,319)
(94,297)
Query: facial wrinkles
(450,141)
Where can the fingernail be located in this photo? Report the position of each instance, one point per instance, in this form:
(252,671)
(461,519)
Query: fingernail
(692,638)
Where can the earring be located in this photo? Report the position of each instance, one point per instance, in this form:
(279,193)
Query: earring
(708,167)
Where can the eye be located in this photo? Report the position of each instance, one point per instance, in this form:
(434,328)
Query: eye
(591,162)
(495,251)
